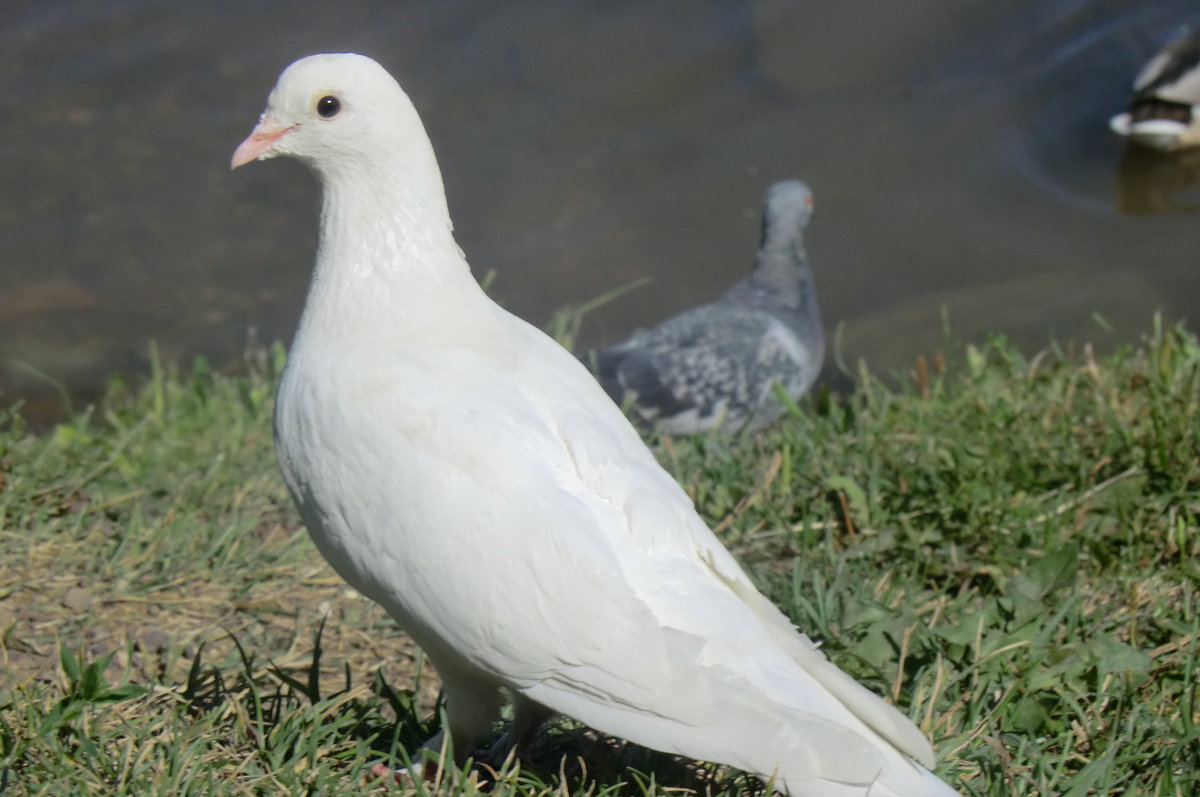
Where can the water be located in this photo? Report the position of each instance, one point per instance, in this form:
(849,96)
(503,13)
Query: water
(959,155)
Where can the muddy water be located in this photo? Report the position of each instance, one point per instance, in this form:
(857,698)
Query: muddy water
(959,154)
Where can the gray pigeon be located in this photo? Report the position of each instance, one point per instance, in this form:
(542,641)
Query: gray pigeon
(719,365)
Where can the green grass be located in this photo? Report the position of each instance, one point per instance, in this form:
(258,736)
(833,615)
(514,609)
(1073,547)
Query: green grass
(1005,546)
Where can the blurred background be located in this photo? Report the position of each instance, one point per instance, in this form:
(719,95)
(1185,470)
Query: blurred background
(959,153)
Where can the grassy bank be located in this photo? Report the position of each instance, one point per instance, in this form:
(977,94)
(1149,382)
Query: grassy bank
(1004,545)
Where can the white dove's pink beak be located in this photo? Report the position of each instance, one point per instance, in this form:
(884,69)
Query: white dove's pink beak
(259,143)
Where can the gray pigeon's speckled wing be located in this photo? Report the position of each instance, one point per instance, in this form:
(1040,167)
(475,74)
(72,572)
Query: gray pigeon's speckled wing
(716,364)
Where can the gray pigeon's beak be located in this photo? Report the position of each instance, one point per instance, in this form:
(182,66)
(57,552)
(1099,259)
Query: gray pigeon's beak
(260,142)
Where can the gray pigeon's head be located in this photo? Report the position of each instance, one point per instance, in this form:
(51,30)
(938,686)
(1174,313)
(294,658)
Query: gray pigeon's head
(787,207)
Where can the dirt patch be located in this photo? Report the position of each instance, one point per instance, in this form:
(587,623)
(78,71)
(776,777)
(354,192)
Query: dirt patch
(155,637)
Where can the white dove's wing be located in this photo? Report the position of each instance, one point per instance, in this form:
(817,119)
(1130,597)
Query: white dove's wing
(570,567)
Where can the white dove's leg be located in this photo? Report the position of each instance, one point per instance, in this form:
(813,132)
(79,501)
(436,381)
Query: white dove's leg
(472,709)
(528,719)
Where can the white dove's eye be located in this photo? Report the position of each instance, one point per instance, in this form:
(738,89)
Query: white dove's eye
(328,106)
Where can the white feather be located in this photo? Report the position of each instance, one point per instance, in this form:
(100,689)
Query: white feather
(460,468)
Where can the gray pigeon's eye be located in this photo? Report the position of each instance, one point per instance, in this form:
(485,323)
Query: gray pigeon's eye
(328,106)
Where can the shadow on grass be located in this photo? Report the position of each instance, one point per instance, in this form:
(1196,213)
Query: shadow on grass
(289,719)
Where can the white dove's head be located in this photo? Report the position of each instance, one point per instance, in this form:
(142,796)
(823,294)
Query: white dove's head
(332,108)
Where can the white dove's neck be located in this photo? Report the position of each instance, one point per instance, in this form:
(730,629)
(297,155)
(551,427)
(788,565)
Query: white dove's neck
(387,262)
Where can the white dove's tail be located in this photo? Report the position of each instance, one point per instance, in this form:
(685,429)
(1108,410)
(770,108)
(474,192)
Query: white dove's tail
(927,785)
(890,738)
(843,753)
(845,758)
(798,719)
(773,718)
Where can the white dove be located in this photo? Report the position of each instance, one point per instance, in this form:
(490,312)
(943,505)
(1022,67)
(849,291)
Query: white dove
(460,468)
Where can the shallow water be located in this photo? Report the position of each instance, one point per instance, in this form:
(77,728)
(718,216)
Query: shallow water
(959,155)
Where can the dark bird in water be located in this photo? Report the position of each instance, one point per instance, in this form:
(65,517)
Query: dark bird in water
(1165,111)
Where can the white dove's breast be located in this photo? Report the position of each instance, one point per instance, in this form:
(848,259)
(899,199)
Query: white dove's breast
(331,469)
(460,512)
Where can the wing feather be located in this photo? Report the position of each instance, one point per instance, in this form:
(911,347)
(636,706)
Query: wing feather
(583,577)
